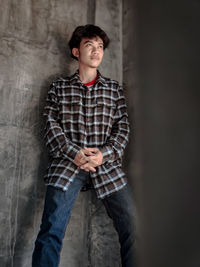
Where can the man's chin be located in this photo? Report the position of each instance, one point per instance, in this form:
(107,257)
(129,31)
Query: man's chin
(95,63)
(94,66)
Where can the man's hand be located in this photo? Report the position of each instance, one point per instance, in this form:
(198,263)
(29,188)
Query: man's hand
(94,159)
(89,158)
(82,158)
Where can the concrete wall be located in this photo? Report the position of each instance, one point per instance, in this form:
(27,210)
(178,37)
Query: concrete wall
(33,51)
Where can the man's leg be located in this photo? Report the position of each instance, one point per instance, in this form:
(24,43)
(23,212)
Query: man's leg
(120,209)
(56,214)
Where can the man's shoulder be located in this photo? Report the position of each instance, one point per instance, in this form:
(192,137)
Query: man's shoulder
(110,82)
(62,80)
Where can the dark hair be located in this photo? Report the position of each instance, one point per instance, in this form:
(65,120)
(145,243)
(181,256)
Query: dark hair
(87,31)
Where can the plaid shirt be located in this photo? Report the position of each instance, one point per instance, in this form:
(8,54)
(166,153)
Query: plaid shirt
(78,116)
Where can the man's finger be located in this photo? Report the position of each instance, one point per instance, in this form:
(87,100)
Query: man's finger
(88,164)
(87,152)
(92,169)
(93,157)
(92,149)
(87,167)
(91,162)
(84,166)
(83,160)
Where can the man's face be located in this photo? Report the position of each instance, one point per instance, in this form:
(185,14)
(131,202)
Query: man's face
(90,53)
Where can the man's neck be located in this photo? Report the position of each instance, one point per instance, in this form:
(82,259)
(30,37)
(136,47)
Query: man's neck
(87,74)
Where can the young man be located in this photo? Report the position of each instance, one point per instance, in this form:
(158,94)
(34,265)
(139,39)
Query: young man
(86,132)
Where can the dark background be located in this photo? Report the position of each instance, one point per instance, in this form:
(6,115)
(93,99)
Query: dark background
(167,132)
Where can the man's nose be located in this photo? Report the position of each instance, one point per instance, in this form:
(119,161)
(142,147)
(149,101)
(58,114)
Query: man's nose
(95,49)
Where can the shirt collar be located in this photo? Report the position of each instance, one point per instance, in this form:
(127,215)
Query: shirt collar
(75,79)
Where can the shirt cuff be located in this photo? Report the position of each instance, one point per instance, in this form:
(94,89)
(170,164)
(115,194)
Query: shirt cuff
(71,151)
(107,152)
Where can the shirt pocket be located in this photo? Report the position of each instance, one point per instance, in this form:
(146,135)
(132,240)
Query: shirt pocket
(105,110)
(70,108)
(105,101)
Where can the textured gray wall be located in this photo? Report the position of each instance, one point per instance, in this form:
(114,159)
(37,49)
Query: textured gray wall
(33,51)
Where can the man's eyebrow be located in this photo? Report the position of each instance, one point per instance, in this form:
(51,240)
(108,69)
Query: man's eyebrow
(91,41)
(87,41)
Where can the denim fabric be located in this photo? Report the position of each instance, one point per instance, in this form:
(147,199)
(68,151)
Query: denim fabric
(56,215)
(120,209)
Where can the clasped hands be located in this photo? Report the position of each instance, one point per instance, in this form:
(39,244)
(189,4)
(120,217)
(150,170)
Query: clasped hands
(88,158)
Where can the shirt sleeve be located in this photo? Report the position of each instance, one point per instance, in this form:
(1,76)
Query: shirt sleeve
(115,145)
(55,139)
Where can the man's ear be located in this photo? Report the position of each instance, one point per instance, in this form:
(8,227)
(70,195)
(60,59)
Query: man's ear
(75,52)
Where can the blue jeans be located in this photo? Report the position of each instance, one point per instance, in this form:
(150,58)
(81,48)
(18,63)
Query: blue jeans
(56,214)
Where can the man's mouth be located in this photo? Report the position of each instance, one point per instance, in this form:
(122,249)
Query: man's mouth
(96,58)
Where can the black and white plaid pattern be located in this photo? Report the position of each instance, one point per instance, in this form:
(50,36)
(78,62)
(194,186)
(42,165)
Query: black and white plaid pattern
(78,116)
